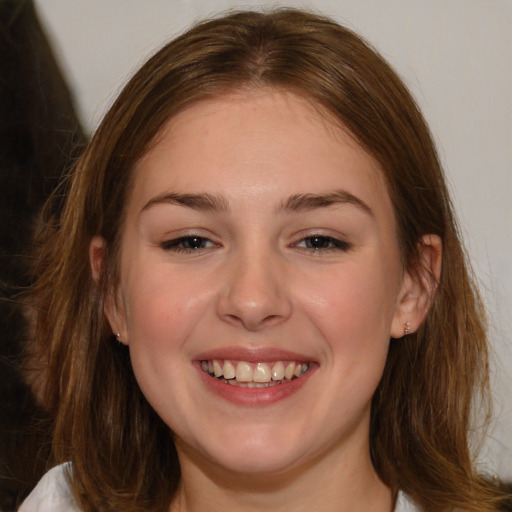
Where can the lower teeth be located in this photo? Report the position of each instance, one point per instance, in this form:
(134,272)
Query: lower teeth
(234,382)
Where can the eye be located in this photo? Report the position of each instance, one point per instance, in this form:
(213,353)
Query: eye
(189,243)
(323,243)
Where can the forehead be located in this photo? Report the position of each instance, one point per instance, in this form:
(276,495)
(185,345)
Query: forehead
(256,142)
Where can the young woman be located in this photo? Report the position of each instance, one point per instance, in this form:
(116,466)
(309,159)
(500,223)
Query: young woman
(255,296)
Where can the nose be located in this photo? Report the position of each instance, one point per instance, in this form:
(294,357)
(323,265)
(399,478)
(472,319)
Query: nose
(255,293)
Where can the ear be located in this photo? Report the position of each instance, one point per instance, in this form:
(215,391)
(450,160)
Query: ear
(114,314)
(418,288)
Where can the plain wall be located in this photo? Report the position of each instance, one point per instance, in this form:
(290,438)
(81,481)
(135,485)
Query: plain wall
(456,57)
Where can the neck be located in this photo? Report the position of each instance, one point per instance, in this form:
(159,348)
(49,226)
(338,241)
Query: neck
(329,484)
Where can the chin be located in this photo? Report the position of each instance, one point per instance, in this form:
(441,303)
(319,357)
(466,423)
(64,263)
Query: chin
(247,453)
(257,464)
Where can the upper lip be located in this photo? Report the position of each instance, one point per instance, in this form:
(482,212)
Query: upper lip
(253,355)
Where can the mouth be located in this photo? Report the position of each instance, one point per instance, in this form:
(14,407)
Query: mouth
(254,375)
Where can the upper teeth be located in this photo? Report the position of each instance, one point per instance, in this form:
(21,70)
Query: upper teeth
(243,371)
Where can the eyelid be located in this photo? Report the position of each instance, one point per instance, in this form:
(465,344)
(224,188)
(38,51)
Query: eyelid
(172,244)
(337,242)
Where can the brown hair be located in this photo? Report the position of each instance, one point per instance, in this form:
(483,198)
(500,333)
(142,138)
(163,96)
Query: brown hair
(123,454)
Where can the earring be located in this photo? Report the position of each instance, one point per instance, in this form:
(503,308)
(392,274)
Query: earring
(407,328)
(118,336)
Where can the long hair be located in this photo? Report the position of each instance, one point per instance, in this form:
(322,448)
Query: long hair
(123,454)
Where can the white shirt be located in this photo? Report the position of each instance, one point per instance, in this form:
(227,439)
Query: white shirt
(52,494)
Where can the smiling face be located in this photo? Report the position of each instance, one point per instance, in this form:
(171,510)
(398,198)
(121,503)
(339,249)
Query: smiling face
(260,284)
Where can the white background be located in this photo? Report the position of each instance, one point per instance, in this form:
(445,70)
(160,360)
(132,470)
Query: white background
(456,57)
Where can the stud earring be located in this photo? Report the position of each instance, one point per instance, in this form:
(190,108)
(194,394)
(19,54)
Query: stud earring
(407,328)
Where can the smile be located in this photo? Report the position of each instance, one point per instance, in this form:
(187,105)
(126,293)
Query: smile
(254,375)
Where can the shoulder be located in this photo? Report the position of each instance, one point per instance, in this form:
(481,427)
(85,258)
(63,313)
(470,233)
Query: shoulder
(404,504)
(52,493)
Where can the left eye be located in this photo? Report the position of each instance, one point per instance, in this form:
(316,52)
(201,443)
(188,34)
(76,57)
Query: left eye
(323,243)
(187,243)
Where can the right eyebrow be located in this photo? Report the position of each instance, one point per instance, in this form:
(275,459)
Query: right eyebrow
(201,202)
(308,202)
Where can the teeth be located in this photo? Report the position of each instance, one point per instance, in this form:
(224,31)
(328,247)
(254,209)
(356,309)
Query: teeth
(278,371)
(242,373)
(261,373)
(290,370)
(217,368)
(228,371)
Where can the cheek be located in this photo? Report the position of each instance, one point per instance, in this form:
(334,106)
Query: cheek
(162,309)
(162,313)
(358,297)
(353,310)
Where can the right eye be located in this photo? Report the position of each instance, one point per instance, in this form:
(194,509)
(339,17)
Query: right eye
(189,243)
(323,243)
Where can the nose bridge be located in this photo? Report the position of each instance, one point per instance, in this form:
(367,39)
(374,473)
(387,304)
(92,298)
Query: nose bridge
(255,293)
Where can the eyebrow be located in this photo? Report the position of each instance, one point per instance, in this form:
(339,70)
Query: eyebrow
(307,202)
(295,203)
(202,202)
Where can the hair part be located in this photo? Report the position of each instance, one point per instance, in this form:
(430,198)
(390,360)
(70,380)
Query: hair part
(421,410)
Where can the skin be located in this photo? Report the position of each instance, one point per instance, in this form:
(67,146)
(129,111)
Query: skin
(256,282)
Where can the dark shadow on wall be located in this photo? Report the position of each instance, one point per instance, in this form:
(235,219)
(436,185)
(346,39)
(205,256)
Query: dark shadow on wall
(39,137)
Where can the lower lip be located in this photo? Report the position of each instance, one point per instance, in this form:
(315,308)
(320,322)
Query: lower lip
(254,396)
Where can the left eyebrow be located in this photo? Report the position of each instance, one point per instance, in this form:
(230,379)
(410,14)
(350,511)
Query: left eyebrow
(307,202)
(201,202)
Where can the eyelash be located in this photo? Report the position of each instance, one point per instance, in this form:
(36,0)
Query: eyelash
(177,245)
(333,244)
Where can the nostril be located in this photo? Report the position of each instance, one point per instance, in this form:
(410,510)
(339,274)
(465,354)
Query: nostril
(254,296)
(271,319)
(254,322)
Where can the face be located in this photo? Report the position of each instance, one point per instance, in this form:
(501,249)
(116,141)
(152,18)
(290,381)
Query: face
(260,283)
